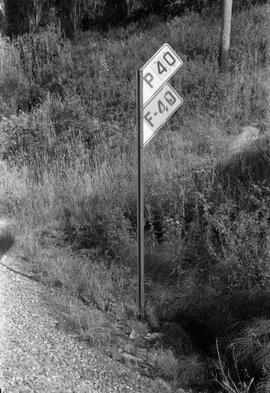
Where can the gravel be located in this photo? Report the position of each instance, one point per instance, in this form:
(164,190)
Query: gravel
(37,357)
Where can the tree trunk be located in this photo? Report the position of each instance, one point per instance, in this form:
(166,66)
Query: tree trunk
(225,35)
(116,12)
(2,16)
(34,9)
(74,17)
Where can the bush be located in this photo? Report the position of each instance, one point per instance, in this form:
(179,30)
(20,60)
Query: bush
(57,133)
(191,370)
(31,66)
(250,350)
(45,57)
(13,82)
(105,229)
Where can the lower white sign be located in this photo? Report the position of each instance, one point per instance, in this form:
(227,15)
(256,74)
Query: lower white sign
(162,106)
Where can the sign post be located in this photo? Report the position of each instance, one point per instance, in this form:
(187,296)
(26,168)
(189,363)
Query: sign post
(140,196)
(156,102)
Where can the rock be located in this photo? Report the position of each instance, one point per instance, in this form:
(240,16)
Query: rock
(138,334)
(152,362)
(142,352)
(133,335)
(163,385)
(176,337)
(56,283)
(129,348)
(154,337)
(247,164)
(248,135)
(116,355)
(140,341)
(130,358)
(139,328)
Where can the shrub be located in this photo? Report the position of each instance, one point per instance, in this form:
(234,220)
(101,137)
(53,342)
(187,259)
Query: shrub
(191,371)
(104,228)
(167,364)
(250,355)
(31,66)
(13,82)
(45,57)
(56,133)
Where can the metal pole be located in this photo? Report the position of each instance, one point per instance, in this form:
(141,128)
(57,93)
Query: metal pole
(140,197)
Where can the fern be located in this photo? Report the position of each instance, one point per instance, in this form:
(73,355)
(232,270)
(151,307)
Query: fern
(253,347)
(191,370)
(262,359)
(254,342)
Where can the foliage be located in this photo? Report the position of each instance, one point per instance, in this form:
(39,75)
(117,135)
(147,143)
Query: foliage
(32,66)
(191,370)
(33,138)
(250,352)
(67,133)
(242,259)
(105,228)
(28,16)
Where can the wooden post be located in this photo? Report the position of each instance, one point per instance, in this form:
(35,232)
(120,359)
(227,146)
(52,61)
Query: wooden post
(2,16)
(225,35)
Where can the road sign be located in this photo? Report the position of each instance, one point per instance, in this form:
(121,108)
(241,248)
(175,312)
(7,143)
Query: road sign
(156,102)
(158,70)
(162,106)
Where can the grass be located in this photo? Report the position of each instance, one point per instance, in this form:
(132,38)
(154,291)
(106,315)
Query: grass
(227,383)
(68,175)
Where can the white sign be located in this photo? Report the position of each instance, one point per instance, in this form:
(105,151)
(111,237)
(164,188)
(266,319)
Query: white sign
(158,70)
(158,110)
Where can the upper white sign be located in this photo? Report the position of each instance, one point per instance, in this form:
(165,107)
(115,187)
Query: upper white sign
(158,70)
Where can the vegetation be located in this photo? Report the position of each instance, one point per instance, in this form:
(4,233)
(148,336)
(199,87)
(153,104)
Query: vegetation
(68,175)
(27,16)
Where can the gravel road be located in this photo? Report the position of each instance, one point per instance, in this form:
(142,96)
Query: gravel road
(37,357)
